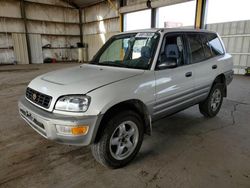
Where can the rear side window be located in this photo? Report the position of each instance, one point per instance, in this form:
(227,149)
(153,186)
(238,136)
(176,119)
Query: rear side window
(206,46)
(196,48)
(215,44)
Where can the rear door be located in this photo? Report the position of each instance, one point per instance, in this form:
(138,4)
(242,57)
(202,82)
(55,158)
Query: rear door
(174,86)
(205,65)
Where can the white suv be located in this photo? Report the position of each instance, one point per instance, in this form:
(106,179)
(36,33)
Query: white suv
(134,79)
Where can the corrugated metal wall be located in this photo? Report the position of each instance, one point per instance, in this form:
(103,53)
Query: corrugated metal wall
(20,48)
(100,22)
(36,48)
(53,20)
(236,37)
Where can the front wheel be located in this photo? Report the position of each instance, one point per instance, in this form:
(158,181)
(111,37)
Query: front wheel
(120,141)
(211,106)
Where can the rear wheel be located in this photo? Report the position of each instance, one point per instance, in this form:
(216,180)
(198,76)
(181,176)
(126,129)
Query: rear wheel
(120,141)
(211,106)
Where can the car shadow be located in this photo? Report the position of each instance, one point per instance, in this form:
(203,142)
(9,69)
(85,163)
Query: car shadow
(170,130)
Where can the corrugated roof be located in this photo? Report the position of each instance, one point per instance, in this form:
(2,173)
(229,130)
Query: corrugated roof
(84,3)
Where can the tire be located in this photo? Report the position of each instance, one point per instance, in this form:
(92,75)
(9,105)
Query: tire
(120,141)
(211,106)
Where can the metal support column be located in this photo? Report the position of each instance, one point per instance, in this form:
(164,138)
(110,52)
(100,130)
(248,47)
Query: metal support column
(200,14)
(153,17)
(80,25)
(23,15)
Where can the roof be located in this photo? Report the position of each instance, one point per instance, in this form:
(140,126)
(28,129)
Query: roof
(82,3)
(163,30)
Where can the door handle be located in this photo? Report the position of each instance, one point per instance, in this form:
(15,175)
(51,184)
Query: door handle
(214,67)
(188,74)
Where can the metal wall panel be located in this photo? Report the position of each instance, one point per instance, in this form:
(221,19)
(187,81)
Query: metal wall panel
(36,27)
(11,25)
(10,9)
(6,56)
(5,40)
(95,42)
(61,54)
(100,12)
(50,13)
(59,41)
(51,2)
(236,37)
(20,48)
(36,48)
(106,26)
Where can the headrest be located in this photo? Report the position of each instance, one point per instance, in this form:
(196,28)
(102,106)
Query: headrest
(145,52)
(172,51)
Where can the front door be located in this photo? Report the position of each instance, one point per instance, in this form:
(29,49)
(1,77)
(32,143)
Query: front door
(174,85)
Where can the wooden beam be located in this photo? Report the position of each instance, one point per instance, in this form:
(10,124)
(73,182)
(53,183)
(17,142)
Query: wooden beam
(80,25)
(23,15)
(70,3)
(48,4)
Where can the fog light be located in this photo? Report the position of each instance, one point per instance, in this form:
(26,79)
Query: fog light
(68,130)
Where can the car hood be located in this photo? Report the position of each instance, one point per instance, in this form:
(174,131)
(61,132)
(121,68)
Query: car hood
(89,76)
(80,80)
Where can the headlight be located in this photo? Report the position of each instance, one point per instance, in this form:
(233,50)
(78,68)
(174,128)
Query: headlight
(73,103)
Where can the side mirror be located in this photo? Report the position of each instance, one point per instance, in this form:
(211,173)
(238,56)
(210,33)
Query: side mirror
(168,64)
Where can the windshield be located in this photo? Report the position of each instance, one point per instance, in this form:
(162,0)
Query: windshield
(128,50)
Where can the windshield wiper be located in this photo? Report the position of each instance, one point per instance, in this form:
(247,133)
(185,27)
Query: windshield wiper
(111,63)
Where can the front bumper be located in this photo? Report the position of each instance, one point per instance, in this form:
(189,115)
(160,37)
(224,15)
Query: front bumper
(45,124)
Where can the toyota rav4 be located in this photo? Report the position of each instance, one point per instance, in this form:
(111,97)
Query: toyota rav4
(134,79)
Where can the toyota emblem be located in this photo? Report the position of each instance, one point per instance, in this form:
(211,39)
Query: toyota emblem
(34,96)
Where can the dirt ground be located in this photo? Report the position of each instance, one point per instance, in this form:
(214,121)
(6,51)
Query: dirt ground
(185,150)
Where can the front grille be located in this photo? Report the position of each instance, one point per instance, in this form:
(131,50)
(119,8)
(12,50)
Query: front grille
(38,98)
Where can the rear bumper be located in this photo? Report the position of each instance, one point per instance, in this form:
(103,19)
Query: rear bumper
(229,76)
(45,123)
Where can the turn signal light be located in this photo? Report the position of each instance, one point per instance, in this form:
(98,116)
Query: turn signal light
(81,130)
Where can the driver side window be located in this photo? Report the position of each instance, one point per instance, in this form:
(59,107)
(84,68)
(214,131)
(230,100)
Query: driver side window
(172,50)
